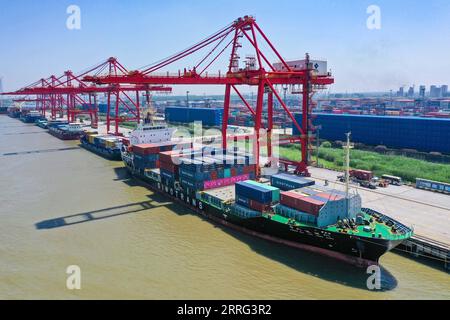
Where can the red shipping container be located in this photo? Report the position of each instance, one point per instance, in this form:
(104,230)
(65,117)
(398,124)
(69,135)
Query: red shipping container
(168,166)
(233,172)
(332,197)
(301,203)
(170,157)
(261,207)
(145,149)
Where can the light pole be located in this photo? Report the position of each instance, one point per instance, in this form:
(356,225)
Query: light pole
(318,128)
(285,88)
(187,99)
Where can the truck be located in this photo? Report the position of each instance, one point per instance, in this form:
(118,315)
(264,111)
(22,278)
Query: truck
(363,177)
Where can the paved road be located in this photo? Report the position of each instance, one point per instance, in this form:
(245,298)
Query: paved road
(428,212)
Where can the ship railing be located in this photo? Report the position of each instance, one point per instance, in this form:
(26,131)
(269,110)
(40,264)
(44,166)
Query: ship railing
(402,230)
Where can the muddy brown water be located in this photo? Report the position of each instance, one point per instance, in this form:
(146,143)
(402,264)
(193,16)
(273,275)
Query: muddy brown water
(61,205)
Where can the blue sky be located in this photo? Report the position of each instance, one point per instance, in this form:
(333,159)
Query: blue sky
(412,46)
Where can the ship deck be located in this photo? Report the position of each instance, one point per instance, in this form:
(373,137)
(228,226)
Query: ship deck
(227,194)
(380,228)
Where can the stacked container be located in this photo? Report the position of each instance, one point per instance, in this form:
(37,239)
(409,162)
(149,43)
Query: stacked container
(168,166)
(199,171)
(256,196)
(310,205)
(320,206)
(153,174)
(146,156)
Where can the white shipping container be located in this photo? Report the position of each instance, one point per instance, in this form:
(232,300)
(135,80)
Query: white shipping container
(319,66)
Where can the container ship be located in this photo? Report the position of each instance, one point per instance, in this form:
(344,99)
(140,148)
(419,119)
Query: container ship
(32,116)
(284,208)
(45,124)
(14,112)
(107,146)
(70,131)
(42,123)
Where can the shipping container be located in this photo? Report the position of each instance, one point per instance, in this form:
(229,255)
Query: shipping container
(433,185)
(172,157)
(254,192)
(244,212)
(252,204)
(329,196)
(193,175)
(295,214)
(301,203)
(145,149)
(275,191)
(168,175)
(168,167)
(319,198)
(148,148)
(287,182)
(153,174)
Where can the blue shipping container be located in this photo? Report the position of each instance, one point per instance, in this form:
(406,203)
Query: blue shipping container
(287,182)
(253,192)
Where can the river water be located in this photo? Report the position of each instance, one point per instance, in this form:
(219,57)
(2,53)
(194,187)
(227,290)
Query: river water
(61,205)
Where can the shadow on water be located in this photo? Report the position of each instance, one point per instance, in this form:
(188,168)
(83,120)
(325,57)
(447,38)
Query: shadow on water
(302,261)
(124,176)
(100,214)
(39,151)
(314,264)
(19,133)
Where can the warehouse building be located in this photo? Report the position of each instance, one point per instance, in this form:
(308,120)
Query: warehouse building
(422,134)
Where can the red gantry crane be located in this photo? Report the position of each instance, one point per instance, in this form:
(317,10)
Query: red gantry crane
(78,98)
(258,72)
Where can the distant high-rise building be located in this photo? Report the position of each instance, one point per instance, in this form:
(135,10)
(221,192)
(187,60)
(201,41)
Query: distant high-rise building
(435,91)
(444,90)
(422,91)
(400,92)
(411,92)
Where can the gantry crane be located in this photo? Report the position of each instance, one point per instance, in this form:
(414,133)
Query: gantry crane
(68,91)
(258,72)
